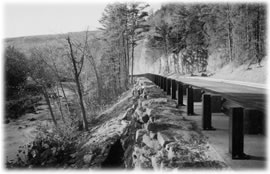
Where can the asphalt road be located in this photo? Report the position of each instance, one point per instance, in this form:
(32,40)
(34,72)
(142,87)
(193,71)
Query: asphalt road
(246,96)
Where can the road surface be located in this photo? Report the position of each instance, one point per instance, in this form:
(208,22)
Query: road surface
(246,96)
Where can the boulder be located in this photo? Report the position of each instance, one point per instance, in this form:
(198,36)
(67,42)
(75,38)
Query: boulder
(134,106)
(154,101)
(171,149)
(152,119)
(87,158)
(153,144)
(154,162)
(139,111)
(164,139)
(145,163)
(140,90)
(128,114)
(139,135)
(145,118)
(149,111)
(150,127)
(153,135)
(32,119)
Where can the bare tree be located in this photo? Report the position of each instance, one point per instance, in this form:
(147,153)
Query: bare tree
(77,64)
(91,59)
(49,56)
(42,76)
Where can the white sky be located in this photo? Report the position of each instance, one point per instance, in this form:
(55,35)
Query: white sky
(24,19)
(32,17)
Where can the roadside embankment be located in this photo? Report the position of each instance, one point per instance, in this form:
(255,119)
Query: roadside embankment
(145,130)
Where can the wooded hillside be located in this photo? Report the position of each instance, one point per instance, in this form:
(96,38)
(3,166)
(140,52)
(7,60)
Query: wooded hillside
(195,33)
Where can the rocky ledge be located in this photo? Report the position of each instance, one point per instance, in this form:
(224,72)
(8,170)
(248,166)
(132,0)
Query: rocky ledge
(146,130)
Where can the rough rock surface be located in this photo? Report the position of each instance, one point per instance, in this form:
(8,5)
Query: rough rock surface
(170,140)
(97,150)
(145,130)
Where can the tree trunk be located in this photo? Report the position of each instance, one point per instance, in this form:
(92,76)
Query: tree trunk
(81,103)
(132,45)
(65,97)
(125,75)
(167,70)
(114,86)
(76,75)
(60,105)
(62,89)
(99,87)
(45,93)
(119,71)
(128,59)
(230,39)
(132,61)
(258,36)
(127,50)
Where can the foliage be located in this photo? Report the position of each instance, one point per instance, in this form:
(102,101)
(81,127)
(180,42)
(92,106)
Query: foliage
(40,72)
(197,31)
(16,108)
(16,70)
(54,148)
(21,94)
(123,26)
(42,75)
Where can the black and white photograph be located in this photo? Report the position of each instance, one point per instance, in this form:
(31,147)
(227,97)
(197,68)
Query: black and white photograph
(134,86)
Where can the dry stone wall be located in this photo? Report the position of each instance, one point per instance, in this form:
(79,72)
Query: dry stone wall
(167,139)
(150,133)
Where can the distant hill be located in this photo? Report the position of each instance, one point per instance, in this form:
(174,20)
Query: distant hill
(24,44)
(144,57)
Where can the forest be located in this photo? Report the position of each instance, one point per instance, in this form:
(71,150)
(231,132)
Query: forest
(228,32)
(98,66)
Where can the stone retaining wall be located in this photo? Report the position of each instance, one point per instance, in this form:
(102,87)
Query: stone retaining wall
(168,140)
(150,133)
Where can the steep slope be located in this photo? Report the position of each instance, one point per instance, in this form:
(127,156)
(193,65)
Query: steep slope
(255,73)
(144,130)
(153,61)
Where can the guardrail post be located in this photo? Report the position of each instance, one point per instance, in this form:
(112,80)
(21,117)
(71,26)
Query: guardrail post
(180,94)
(236,133)
(206,112)
(254,121)
(151,77)
(185,89)
(155,79)
(161,82)
(173,89)
(165,84)
(197,95)
(158,82)
(190,104)
(215,103)
(168,86)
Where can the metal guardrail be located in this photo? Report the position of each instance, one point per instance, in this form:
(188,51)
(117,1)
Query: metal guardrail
(241,119)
